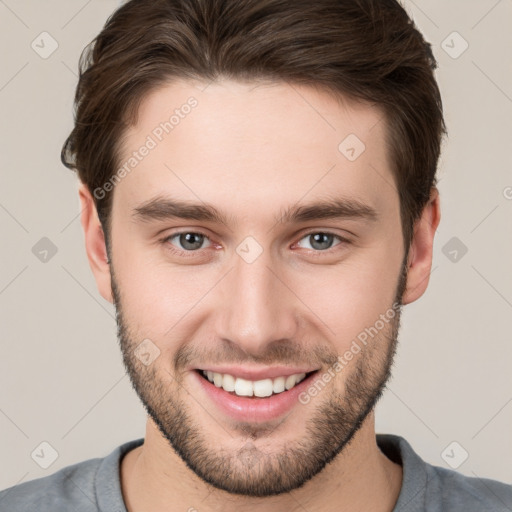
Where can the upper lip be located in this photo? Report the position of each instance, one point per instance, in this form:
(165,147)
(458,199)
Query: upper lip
(258,373)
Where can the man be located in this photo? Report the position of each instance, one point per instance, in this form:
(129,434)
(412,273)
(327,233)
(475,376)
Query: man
(258,201)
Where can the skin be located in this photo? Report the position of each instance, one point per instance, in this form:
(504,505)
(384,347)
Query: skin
(251,151)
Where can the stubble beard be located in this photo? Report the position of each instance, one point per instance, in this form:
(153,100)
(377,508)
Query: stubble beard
(250,470)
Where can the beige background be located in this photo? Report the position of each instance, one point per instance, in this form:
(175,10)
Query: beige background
(61,376)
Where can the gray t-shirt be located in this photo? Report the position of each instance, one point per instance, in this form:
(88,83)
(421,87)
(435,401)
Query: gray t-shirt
(94,486)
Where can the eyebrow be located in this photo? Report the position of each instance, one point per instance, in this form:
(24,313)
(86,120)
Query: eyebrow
(164,208)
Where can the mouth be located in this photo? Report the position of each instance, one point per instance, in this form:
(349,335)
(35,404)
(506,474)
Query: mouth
(255,389)
(254,401)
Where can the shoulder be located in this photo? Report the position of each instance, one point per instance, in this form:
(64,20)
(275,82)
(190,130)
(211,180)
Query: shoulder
(58,492)
(467,493)
(89,486)
(432,488)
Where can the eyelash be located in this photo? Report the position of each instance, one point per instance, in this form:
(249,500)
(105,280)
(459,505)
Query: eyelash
(192,254)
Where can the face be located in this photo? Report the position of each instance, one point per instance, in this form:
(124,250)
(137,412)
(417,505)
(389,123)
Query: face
(302,261)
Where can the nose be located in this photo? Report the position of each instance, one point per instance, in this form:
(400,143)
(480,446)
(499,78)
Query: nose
(257,306)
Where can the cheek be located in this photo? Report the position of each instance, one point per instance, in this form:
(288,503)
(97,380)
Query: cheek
(161,300)
(154,295)
(155,300)
(351,296)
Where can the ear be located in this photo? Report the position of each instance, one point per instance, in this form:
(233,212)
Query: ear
(95,243)
(419,259)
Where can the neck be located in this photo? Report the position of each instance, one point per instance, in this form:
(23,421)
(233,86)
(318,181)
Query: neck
(361,478)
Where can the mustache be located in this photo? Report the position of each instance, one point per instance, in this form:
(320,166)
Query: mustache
(278,353)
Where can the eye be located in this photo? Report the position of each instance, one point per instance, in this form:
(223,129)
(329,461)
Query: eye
(321,240)
(188,241)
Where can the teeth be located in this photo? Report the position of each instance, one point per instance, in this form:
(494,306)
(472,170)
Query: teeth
(242,387)
(217,379)
(278,385)
(263,387)
(228,382)
(290,382)
(259,388)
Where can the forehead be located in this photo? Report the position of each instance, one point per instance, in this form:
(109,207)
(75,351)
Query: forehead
(250,147)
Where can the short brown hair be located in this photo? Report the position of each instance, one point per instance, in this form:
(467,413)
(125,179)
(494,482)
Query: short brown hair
(367,50)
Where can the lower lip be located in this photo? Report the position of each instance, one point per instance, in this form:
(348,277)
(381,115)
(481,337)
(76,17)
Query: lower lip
(254,410)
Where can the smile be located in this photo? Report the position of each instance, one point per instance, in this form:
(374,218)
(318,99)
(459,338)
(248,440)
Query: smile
(259,388)
(254,401)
